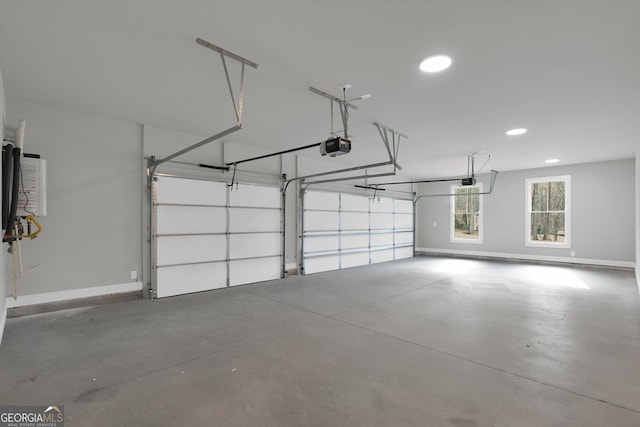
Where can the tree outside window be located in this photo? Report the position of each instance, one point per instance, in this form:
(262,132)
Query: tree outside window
(548,211)
(466,214)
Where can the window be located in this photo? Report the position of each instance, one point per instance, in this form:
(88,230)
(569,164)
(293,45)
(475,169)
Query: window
(466,214)
(548,221)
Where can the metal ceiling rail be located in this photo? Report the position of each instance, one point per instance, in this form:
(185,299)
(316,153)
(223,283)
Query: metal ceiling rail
(494,174)
(334,172)
(349,178)
(291,150)
(422,181)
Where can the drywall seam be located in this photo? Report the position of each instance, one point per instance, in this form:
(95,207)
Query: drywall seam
(44,298)
(570,260)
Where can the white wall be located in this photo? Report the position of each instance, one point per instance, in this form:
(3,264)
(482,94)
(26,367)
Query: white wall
(602,206)
(91,236)
(3,287)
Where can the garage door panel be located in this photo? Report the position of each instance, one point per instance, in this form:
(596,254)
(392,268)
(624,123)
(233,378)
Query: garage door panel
(406,252)
(252,220)
(320,264)
(185,249)
(190,219)
(242,272)
(321,200)
(382,221)
(191,191)
(187,279)
(384,204)
(403,206)
(354,221)
(354,260)
(383,239)
(404,238)
(403,221)
(321,221)
(321,243)
(254,245)
(382,256)
(255,196)
(354,241)
(349,202)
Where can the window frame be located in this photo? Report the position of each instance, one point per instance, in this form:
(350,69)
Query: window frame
(567,212)
(452,215)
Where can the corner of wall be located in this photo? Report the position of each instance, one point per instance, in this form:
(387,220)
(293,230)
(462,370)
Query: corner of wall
(638,218)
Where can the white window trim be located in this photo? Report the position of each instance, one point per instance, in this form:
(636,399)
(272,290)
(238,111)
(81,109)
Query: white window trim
(567,215)
(452,238)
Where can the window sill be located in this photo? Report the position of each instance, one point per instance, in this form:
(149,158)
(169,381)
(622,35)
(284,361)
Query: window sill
(550,245)
(469,241)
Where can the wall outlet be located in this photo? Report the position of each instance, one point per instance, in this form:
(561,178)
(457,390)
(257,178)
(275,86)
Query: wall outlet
(134,275)
(573,253)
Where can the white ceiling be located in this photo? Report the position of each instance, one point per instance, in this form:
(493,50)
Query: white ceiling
(566,70)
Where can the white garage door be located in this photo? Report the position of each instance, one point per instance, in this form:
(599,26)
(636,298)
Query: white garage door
(207,236)
(343,230)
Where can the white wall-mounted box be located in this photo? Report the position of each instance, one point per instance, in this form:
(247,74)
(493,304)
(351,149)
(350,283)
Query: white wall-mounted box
(32,197)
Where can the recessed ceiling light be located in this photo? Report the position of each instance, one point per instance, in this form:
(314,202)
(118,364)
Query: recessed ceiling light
(517,131)
(552,161)
(435,63)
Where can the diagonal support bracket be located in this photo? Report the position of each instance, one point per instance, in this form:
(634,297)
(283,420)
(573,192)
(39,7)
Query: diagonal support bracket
(392,146)
(237,106)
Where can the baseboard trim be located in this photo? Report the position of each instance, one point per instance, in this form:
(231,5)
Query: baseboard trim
(73,294)
(49,307)
(543,258)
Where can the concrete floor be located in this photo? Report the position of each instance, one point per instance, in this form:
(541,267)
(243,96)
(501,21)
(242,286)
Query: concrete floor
(419,342)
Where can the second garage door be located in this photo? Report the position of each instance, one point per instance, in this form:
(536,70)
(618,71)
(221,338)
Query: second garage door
(342,230)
